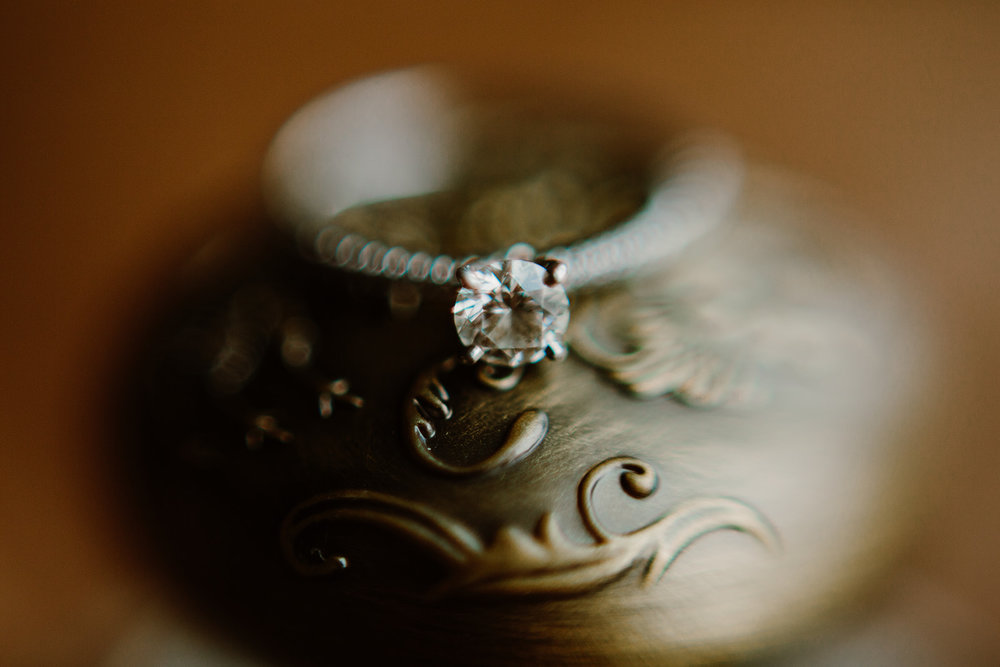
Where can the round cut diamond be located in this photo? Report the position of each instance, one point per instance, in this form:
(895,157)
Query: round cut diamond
(508,309)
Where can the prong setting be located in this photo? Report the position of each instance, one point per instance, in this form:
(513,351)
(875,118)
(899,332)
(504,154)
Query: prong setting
(471,276)
(522,251)
(555,272)
(556,350)
(472,354)
(536,356)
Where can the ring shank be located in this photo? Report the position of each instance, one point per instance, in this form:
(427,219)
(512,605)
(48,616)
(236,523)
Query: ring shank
(398,132)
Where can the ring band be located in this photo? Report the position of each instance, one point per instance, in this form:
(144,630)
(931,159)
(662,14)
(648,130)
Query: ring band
(701,178)
(508,313)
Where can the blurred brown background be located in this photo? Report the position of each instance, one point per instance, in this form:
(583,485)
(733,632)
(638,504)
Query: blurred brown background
(129,130)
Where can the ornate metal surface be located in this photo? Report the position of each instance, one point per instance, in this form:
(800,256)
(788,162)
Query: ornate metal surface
(543,562)
(293,422)
(429,403)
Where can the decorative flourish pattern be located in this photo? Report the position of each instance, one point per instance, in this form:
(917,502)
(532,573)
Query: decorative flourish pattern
(429,403)
(662,351)
(543,562)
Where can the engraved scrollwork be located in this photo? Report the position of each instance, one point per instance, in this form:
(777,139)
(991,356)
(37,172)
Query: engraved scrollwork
(670,535)
(662,355)
(442,537)
(545,561)
(429,402)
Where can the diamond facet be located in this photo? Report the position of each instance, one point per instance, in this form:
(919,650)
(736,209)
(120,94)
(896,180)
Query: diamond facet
(508,309)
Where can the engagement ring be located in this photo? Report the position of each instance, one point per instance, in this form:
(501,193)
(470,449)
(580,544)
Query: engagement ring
(512,307)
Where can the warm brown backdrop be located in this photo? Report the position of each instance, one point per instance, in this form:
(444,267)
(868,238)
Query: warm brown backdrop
(127,127)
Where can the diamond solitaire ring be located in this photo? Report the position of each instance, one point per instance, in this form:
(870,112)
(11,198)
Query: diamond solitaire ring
(393,138)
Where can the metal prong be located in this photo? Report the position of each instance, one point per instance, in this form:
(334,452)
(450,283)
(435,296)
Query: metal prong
(520,251)
(556,351)
(469,276)
(472,354)
(555,271)
(536,356)
(465,276)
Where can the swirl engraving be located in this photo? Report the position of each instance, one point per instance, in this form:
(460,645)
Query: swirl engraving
(545,561)
(443,538)
(429,403)
(661,356)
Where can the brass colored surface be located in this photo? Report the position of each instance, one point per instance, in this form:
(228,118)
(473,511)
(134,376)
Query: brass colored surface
(714,471)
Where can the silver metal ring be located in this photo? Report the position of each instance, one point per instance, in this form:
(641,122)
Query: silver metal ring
(512,306)
(700,179)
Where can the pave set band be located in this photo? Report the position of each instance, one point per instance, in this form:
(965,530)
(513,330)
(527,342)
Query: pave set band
(700,178)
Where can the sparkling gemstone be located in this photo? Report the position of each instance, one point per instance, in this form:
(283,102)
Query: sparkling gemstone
(507,309)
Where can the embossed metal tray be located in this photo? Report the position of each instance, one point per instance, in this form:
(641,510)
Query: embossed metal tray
(719,467)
